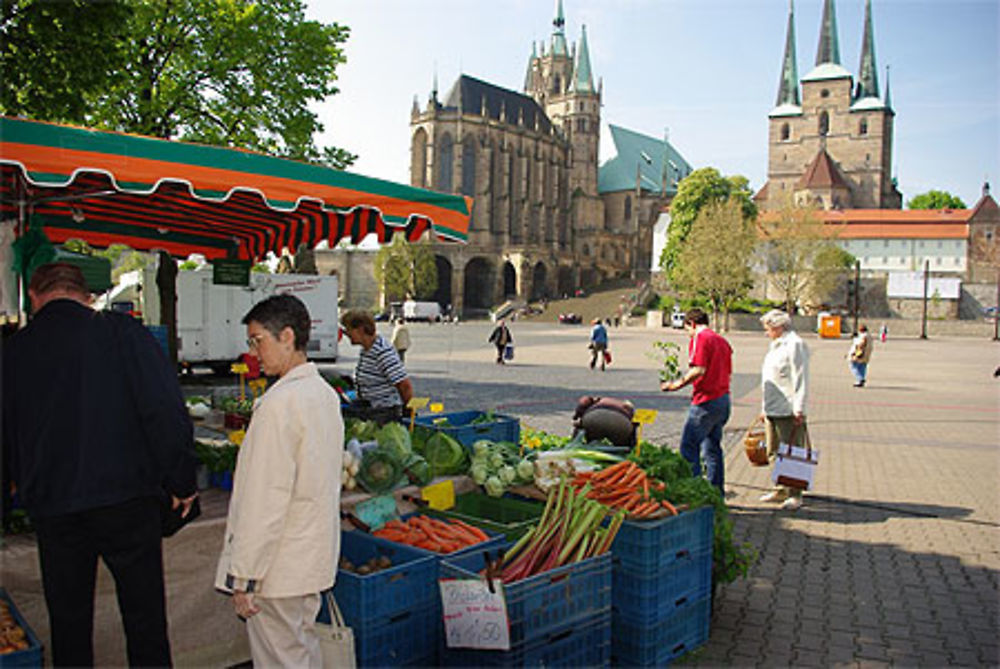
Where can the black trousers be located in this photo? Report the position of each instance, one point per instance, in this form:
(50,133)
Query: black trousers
(127,537)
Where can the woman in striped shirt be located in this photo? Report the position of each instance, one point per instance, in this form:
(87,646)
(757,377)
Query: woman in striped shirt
(383,386)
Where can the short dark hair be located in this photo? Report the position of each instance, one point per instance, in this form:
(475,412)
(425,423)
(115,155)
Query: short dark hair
(278,312)
(357,318)
(696,317)
(863,328)
(58,276)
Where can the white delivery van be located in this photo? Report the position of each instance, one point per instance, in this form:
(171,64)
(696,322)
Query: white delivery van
(209,328)
(421,311)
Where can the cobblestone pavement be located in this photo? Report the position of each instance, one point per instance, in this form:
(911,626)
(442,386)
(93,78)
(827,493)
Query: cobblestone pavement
(893,559)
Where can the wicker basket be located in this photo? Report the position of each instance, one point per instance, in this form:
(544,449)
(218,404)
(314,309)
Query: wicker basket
(755,443)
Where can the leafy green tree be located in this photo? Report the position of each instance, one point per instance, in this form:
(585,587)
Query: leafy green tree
(935,199)
(801,257)
(406,270)
(715,259)
(696,191)
(54,56)
(212,71)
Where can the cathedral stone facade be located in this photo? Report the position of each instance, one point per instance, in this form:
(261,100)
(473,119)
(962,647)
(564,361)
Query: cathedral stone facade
(831,145)
(541,224)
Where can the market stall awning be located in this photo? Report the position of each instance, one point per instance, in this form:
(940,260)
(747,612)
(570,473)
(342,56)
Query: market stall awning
(106,187)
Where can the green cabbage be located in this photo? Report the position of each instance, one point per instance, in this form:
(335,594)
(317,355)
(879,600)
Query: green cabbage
(445,455)
(418,472)
(380,471)
(362,430)
(482,447)
(479,473)
(396,439)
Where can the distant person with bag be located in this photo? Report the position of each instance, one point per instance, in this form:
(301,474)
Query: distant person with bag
(501,338)
(598,343)
(784,380)
(282,540)
(98,434)
(710,368)
(401,339)
(859,355)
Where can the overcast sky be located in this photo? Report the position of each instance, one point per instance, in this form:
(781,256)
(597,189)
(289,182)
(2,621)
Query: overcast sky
(706,69)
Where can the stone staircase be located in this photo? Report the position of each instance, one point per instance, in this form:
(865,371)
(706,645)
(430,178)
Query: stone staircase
(605,301)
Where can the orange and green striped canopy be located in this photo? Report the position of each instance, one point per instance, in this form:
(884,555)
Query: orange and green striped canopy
(106,187)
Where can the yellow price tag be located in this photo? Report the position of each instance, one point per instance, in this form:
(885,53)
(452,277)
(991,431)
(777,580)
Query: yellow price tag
(645,416)
(439,496)
(437,407)
(236,436)
(417,403)
(239,368)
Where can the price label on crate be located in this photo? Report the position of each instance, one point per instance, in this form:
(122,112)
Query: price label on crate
(645,416)
(440,496)
(417,403)
(437,407)
(474,617)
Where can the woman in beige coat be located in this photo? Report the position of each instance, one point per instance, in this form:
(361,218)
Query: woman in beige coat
(282,539)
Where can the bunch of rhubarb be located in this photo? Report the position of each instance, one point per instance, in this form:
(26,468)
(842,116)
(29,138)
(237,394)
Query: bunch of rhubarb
(568,531)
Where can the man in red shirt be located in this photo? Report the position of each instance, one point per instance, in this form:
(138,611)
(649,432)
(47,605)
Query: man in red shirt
(710,367)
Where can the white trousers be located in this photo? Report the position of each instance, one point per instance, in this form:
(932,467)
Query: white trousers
(283,634)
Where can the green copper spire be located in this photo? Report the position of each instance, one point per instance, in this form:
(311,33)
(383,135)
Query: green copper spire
(531,63)
(788,86)
(558,36)
(583,80)
(888,98)
(829,46)
(867,86)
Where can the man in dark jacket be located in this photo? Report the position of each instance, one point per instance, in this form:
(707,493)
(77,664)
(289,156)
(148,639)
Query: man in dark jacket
(97,431)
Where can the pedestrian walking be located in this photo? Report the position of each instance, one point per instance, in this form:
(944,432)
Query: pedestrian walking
(598,343)
(883,332)
(859,355)
(282,539)
(501,338)
(784,380)
(710,365)
(98,433)
(401,339)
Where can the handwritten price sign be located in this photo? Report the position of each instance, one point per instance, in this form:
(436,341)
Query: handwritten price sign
(474,617)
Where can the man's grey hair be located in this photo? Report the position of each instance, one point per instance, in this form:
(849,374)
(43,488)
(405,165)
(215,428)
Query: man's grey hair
(776,318)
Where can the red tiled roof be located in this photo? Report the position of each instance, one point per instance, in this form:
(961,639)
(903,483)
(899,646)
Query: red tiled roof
(892,223)
(822,173)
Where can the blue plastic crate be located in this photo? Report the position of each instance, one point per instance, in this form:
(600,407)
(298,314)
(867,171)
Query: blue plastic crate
(638,644)
(653,545)
(583,644)
(379,598)
(409,640)
(648,597)
(30,656)
(461,429)
(548,601)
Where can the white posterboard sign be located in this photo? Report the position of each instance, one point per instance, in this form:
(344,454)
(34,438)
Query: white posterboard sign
(474,617)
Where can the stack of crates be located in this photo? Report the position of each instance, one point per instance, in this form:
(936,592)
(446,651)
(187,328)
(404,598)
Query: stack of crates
(31,656)
(388,609)
(559,618)
(662,588)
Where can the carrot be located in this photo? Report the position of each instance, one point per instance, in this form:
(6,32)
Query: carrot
(472,528)
(669,507)
(608,472)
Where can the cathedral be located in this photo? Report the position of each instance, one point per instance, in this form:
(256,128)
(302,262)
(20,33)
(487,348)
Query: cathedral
(830,144)
(547,219)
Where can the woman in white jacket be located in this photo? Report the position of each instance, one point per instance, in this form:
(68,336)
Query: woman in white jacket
(282,539)
(784,380)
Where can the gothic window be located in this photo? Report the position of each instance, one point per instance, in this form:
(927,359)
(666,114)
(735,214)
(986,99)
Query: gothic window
(418,159)
(556,84)
(469,166)
(786,132)
(824,123)
(446,158)
(628,207)
(863,126)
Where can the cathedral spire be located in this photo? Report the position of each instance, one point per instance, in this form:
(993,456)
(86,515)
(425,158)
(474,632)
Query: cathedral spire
(583,80)
(558,33)
(531,64)
(829,47)
(867,86)
(888,98)
(788,86)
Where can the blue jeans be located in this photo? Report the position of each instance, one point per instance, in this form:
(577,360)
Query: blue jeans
(860,370)
(702,438)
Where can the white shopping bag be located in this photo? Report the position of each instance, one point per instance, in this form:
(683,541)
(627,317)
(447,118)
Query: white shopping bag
(795,466)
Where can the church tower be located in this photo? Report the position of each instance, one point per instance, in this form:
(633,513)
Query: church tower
(831,147)
(561,81)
